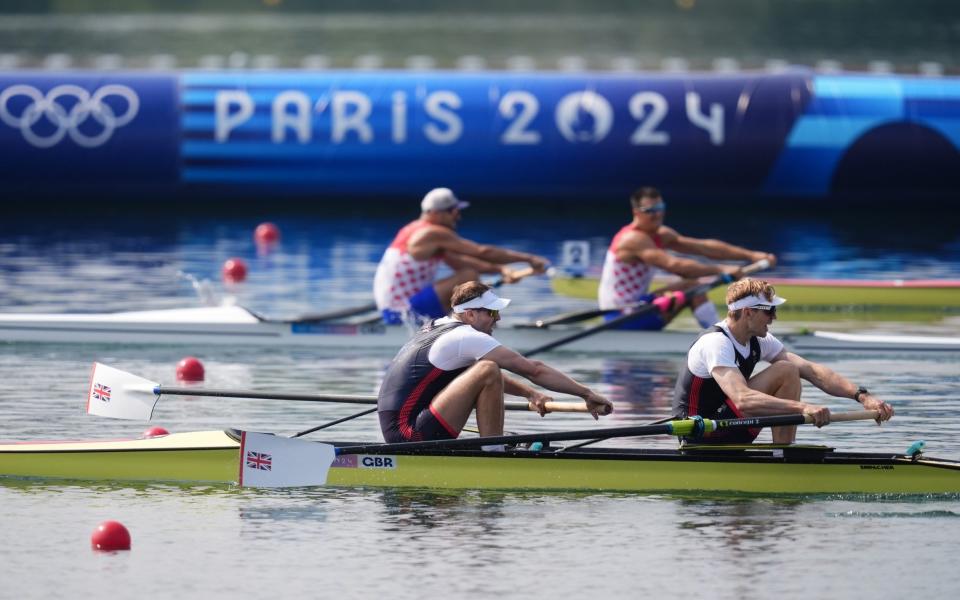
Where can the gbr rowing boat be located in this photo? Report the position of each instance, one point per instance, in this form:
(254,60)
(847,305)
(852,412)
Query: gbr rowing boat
(237,326)
(534,461)
(215,457)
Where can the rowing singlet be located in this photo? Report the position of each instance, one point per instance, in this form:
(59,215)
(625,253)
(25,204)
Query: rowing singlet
(421,369)
(623,284)
(695,395)
(399,276)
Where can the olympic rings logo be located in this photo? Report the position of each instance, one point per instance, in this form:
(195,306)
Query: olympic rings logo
(68,117)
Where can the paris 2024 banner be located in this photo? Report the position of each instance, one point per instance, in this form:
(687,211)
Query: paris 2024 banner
(593,136)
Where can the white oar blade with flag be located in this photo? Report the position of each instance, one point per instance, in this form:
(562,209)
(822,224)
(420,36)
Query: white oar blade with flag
(120,395)
(270,461)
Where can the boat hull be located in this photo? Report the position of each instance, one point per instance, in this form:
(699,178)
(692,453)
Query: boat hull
(213,457)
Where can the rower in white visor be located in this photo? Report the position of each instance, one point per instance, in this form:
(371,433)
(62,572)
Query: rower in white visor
(718,381)
(454,365)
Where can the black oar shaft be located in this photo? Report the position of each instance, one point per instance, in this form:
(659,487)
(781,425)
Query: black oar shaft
(362,413)
(571,406)
(643,310)
(507,439)
(336,313)
(681,427)
(255,395)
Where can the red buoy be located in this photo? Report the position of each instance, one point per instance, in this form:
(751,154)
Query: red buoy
(190,369)
(266,234)
(153,432)
(110,535)
(234,270)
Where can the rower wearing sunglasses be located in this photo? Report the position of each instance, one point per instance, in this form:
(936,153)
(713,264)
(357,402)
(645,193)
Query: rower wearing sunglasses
(718,380)
(454,365)
(640,248)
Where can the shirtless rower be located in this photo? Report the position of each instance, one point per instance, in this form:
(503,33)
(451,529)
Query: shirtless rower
(640,248)
(454,365)
(404,281)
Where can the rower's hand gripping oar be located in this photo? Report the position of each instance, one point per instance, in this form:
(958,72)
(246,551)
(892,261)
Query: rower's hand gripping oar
(645,309)
(121,395)
(271,461)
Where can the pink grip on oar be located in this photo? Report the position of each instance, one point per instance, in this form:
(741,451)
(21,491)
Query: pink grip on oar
(669,300)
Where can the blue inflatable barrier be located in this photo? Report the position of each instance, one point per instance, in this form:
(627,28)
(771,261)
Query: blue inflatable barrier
(366,134)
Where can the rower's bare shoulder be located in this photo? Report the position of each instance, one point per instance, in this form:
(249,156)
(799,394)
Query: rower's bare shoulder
(668,234)
(635,240)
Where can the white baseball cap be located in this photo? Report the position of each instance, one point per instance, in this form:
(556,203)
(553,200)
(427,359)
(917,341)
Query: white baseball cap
(488,300)
(439,199)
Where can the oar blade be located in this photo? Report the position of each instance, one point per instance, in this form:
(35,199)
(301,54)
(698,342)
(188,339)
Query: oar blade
(270,461)
(120,395)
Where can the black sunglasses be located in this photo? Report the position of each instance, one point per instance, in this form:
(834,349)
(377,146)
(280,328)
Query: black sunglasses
(772,310)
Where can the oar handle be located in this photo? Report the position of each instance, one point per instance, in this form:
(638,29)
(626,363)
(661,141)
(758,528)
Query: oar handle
(517,276)
(857,415)
(552,407)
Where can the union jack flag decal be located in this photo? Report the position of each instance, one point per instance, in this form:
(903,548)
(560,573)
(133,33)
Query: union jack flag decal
(259,460)
(101,392)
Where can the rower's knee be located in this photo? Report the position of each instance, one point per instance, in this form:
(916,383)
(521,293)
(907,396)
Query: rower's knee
(785,370)
(488,370)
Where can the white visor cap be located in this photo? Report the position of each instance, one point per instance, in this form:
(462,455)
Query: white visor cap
(488,300)
(754,301)
(441,199)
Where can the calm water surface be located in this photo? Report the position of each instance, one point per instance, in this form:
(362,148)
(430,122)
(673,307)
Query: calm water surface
(217,542)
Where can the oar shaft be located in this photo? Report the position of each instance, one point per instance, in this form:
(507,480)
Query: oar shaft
(255,395)
(336,398)
(643,310)
(338,313)
(680,427)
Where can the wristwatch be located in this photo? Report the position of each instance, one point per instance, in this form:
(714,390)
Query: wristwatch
(860,391)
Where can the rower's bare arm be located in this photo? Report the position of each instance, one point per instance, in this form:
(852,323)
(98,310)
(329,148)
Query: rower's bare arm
(458,261)
(835,384)
(451,242)
(547,377)
(718,249)
(685,267)
(754,403)
(537,399)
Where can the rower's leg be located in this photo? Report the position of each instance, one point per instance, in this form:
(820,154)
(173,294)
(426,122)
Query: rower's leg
(444,287)
(480,386)
(781,379)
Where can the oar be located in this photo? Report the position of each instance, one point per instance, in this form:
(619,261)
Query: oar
(273,461)
(336,314)
(583,315)
(643,310)
(121,395)
(680,427)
